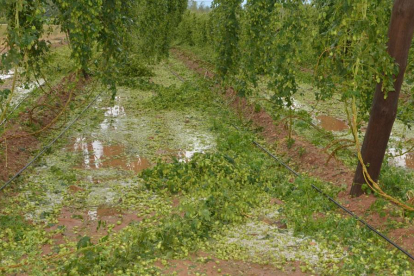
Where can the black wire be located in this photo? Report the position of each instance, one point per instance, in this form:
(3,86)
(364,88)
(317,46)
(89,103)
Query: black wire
(22,101)
(336,202)
(323,193)
(14,109)
(176,74)
(50,144)
(272,155)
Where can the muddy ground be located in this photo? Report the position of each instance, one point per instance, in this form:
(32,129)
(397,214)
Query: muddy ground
(309,159)
(89,185)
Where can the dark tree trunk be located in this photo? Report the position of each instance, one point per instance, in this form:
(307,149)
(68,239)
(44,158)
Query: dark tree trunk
(384,111)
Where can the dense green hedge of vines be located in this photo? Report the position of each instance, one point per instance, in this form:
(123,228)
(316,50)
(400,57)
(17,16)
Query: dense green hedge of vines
(103,34)
(341,44)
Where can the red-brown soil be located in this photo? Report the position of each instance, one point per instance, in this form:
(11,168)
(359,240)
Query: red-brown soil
(78,224)
(21,138)
(109,156)
(56,40)
(209,265)
(312,160)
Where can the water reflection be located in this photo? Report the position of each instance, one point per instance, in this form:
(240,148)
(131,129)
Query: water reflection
(111,113)
(6,76)
(406,160)
(331,123)
(96,155)
(197,145)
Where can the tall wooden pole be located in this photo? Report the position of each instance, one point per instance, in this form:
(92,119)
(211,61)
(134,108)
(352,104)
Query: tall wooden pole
(384,111)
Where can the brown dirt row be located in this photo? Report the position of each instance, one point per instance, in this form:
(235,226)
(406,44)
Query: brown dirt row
(204,264)
(18,141)
(306,158)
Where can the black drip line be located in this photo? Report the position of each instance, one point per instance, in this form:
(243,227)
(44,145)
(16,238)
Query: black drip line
(50,144)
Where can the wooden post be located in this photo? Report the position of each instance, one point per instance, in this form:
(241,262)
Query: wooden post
(384,111)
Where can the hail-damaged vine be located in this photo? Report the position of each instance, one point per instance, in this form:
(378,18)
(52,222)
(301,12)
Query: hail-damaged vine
(99,32)
(225,21)
(156,21)
(349,47)
(352,47)
(291,35)
(258,38)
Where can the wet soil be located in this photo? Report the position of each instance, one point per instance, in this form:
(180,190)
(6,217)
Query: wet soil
(312,160)
(409,160)
(19,140)
(306,157)
(330,123)
(101,198)
(405,160)
(97,155)
(74,224)
(205,264)
(90,186)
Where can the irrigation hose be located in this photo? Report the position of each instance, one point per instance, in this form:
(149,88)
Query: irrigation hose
(51,143)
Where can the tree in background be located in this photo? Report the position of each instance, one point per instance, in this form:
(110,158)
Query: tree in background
(193,6)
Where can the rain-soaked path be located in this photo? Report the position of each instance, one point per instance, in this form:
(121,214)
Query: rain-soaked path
(113,143)
(90,179)
(89,185)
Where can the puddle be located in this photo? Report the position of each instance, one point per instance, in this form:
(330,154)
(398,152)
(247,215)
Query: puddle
(326,122)
(193,143)
(115,111)
(24,89)
(197,147)
(181,155)
(111,113)
(93,224)
(40,212)
(6,76)
(331,123)
(96,155)
(296,105)
(93,214)
(405,160)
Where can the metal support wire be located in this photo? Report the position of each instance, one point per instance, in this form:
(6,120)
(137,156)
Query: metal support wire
(50,144)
